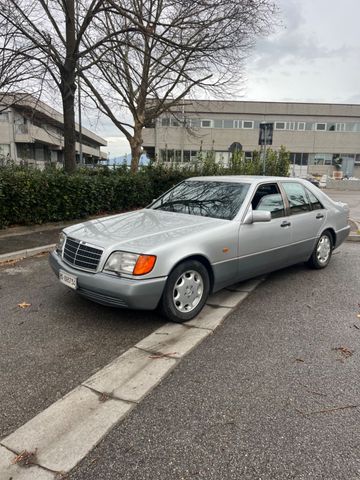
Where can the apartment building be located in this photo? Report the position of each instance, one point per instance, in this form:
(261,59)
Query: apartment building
(316,134)
(31,132)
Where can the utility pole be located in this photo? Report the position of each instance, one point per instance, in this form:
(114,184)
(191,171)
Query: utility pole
(265,138)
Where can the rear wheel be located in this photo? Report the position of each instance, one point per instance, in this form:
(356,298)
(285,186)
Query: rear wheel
(321,255)
(186,291)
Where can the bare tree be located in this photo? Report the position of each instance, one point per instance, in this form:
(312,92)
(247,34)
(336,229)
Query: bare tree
(174,47)
(43,41)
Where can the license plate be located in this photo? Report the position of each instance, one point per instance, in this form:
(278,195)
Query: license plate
(68,280)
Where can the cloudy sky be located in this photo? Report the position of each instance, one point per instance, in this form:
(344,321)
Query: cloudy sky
(313,56)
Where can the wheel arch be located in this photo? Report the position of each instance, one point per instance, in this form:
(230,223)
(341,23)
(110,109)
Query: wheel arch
(202,259)
(333,235)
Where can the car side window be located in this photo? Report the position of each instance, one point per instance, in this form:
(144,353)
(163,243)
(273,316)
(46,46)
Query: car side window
(269,199)
(298,200)
(315,203)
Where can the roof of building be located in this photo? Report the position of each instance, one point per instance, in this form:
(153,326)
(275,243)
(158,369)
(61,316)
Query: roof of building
(27,102)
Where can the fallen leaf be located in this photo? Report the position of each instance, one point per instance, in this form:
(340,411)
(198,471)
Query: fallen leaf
(24,305)
(25,458)
(104,397)
(346,352)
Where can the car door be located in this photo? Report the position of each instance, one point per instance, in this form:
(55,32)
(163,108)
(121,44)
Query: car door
(307,217)
(263,246)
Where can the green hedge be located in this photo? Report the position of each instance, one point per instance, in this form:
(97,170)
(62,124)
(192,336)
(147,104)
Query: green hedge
(29,196)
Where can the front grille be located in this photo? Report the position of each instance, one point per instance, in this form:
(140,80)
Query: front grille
(80,255)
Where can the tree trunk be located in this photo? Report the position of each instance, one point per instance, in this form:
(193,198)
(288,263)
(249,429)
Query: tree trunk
(68,88)
(68,99)
(136,148)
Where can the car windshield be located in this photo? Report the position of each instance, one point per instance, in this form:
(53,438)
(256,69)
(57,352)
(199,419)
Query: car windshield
(204,198)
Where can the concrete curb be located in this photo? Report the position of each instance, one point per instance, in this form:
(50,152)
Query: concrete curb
(64,433)
(354,237)
(30,252)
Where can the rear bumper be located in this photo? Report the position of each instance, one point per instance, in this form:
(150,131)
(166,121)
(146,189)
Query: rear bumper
(341,235)
(111,290)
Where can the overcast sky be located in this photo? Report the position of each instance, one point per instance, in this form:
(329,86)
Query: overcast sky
(314,56)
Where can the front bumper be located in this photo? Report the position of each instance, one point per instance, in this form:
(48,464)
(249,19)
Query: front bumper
(111,290)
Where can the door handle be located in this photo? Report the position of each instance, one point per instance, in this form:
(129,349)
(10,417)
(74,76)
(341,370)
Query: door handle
(285,223)
(319,215)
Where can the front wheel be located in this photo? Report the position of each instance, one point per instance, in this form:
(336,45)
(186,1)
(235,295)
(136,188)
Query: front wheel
(321,255)
(186,291)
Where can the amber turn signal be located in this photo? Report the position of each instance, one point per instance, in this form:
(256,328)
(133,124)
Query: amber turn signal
(144,264)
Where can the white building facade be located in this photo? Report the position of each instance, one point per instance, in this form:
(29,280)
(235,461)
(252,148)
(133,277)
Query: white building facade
(316,134)
(31,133)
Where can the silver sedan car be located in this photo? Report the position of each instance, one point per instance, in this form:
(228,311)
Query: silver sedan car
(204,234)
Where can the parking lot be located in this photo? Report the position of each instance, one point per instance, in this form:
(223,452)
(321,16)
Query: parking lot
(272,394)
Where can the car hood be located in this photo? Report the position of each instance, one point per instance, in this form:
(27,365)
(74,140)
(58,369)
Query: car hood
(140,230)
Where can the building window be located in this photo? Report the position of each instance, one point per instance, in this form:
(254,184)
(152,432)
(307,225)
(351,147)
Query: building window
(4,151)
(301,126)
(290,125)
(206,123)
(218,124)
(4,117)
(352,127)
(320,127)
(248,155)
(331,127)
(165,122)
(194,122)
(228,123)
(280,126)
(248,124)
(174,122)
(237,123)
(340,127)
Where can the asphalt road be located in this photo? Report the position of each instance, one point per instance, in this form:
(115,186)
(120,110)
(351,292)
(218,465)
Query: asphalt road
(273,394)
(51,346)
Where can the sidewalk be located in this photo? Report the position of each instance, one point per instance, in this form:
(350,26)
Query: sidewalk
(19,238)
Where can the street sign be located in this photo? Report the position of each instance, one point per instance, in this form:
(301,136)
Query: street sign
(266,133)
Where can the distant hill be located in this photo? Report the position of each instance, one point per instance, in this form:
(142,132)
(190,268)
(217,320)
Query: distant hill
(124,159)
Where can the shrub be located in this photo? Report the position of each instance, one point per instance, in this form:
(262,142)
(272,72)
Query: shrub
(29,196)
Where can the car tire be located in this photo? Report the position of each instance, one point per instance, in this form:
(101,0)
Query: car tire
(186,291)
(322,252)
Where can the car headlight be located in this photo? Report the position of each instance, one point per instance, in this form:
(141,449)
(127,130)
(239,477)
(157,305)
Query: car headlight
(61,241)
(130,263)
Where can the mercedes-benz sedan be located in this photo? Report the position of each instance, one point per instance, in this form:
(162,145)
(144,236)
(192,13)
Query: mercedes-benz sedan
(204,234)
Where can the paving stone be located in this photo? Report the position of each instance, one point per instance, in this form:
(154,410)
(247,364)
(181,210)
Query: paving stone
(8,470)
(132,375)
(225,298)
(173,339)
(66,431)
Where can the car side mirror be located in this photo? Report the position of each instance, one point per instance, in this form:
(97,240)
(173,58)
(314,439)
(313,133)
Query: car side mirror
(254,216)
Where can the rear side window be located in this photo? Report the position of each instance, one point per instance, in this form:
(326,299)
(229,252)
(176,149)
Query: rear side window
(298,200)
(315,203)
(268,198)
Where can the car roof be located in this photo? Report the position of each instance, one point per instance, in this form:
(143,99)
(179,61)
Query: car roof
(246,179)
